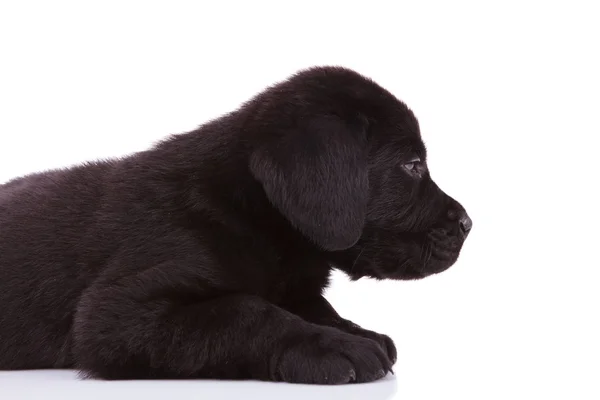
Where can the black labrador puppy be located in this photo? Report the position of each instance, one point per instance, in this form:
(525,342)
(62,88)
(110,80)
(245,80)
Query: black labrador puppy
(207,255)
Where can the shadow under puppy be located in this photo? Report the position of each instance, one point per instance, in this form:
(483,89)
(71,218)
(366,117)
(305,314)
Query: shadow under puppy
(206,256)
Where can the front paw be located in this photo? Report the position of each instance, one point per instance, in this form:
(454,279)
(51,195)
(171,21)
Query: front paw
(386,343)
(331,356)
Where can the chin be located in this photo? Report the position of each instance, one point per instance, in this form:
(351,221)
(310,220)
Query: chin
(411,260)
(412,270)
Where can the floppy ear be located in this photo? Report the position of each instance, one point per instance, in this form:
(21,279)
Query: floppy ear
(316,176)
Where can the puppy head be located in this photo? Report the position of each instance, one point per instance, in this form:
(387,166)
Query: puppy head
(342,159)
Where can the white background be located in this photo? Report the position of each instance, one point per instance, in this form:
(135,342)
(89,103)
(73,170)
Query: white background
(507,94)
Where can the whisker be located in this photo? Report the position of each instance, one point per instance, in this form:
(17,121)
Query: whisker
(356,260)
(429,252)
(403,264)
(426,252)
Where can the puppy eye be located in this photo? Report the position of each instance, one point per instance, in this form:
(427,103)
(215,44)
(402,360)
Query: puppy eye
(413,165)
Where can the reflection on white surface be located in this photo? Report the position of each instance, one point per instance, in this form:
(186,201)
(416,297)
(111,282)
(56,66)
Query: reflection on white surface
(65,384)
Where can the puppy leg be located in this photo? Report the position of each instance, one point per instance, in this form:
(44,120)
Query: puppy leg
(319,311)
(141,327)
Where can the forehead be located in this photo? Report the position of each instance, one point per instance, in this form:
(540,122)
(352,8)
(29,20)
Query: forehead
(398,134)
(404,148)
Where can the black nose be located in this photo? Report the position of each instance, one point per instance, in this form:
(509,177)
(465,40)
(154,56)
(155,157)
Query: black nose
(465,223)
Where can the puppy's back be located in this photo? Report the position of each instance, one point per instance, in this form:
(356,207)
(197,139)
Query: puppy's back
(45,221)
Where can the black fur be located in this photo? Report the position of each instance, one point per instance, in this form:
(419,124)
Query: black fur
(207,255)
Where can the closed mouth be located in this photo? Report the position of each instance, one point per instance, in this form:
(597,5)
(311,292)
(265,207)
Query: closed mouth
(440,250)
